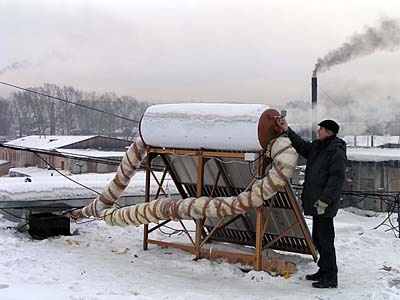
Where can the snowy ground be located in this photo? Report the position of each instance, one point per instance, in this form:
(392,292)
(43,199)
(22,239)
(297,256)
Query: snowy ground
(102,262)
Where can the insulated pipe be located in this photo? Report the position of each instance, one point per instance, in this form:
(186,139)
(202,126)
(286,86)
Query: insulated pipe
(266,130)
(126,170)
(284,161)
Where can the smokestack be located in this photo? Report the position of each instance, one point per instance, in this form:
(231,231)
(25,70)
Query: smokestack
(314,98)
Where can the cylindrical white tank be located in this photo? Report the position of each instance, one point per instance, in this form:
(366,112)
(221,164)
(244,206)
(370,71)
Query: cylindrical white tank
(218,126)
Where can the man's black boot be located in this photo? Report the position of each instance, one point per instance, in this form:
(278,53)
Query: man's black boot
(314,277)
(326,283)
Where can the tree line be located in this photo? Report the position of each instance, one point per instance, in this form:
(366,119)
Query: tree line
(25,113)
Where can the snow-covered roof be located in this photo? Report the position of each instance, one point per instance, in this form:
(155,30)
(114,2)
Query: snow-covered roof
(48,184)
(48,142)
(3,162)
(372,154)
(370,140)
(90,153)
(31,171)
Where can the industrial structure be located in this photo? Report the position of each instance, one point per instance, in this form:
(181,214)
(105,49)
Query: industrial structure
(232,172)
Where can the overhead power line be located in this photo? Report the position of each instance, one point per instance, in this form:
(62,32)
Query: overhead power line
(67,101)
(74,181)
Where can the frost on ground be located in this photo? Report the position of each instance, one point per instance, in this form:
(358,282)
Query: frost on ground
(102,262)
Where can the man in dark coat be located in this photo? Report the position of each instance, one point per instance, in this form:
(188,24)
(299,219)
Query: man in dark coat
(324,177)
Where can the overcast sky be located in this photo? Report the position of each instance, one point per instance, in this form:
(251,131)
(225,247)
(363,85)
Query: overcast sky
(255,51)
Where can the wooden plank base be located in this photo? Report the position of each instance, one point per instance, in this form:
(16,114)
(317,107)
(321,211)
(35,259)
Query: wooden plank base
(274,266)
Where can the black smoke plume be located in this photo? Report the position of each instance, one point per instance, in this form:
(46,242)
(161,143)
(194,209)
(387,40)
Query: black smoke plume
(14,66)
(386,36)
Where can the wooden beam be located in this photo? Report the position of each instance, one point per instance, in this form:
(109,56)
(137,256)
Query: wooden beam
(147,197)
(272,265)
(225,178)
(199,193)
(186,232)
(215,184)
(282,234)
(160,183)
(303,227)
(259,238)
(269,211)
(216,227)
(174,177)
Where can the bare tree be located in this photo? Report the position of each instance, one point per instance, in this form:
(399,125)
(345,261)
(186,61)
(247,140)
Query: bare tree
(36,113)
(22,112)
(66,112)
(5,117)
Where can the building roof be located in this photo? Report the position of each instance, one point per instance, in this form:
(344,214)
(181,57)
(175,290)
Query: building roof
(48,142)
(90,153)
(3,162)
(370,140)
(372,154)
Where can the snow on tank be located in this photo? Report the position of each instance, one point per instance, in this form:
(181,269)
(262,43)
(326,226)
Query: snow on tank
(218,126)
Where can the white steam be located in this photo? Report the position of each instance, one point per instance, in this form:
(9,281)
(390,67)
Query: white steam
(359,111)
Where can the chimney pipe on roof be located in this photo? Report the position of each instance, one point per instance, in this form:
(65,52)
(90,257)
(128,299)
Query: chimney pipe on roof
(314,107)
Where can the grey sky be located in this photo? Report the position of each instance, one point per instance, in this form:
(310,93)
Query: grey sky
(255,51)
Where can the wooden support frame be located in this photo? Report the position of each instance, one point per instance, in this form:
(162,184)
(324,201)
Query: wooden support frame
(198,243)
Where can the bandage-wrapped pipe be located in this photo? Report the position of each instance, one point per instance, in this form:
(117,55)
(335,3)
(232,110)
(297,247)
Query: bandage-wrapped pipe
(126,170)
(220,126)
(284,160)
